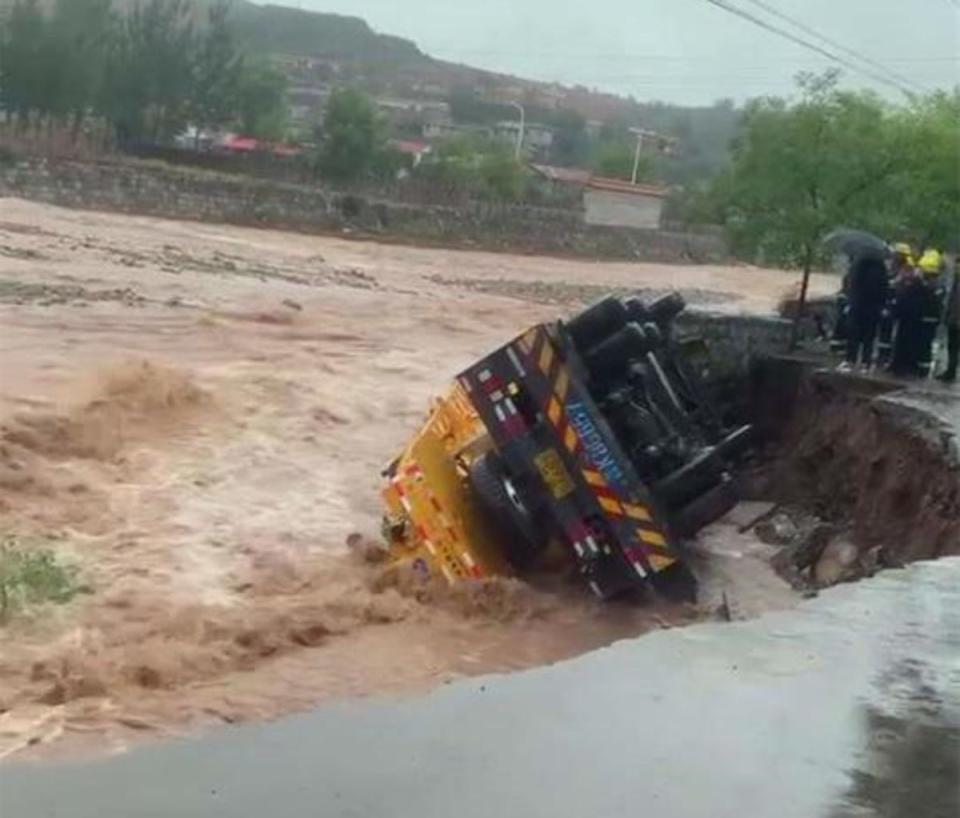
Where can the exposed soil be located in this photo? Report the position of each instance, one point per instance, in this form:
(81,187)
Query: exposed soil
(202,448)
(867,467)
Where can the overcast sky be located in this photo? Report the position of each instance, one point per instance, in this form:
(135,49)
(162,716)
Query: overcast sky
(678,50)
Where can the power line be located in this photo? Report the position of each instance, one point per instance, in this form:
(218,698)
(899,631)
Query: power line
(758,21)
(726,6)
(620,56)
(832,43)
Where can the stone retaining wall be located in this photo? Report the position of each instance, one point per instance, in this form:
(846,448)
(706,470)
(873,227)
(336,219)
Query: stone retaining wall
(156,189)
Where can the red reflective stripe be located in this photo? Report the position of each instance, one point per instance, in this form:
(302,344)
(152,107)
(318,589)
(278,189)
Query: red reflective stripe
(492,384)
(577,531)
(635,555)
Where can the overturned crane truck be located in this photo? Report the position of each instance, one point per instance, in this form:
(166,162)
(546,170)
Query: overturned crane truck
(594,433)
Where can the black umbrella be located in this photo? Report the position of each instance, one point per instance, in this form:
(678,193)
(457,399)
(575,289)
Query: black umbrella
(857,244)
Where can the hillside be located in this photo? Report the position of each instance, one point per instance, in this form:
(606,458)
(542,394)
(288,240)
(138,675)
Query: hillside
(346,49)
(273,29)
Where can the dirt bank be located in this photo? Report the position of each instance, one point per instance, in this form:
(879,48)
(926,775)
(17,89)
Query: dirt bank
(870,463)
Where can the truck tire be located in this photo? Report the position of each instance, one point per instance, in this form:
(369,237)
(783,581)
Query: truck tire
(597,323)
(612,356)
(637,310)
(666,308)
(508,515)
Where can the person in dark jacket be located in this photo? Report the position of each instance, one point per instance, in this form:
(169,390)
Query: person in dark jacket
(951,317)
(917,314)
(867,288)
(901,269)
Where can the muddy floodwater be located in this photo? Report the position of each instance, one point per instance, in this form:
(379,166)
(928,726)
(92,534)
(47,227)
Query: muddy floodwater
(846,707)
(195,418)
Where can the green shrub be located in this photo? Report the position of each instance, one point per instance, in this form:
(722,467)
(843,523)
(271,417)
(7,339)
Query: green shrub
(32,575)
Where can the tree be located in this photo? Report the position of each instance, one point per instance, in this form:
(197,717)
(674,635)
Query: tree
(615,160)
(217,73)
(805,167)
(502,175)
(474,166)
(149,71)
(925,186)
(467,106)
(78,42)
(23,61)
(571,142)
(833,158)
(262,110)
(145,71)
(352,137)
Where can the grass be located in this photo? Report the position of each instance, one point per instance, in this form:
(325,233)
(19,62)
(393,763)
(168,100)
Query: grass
(31,575)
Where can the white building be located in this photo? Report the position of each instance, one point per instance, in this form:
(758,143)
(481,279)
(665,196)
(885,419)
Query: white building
(450,130)
(614,203)
(537,139)
(413,111)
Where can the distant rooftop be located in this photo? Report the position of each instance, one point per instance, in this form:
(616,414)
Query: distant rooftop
(569,176)
(620,186)
(584,178)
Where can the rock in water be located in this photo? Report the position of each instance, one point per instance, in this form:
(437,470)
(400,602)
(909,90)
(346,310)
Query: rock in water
(838,562)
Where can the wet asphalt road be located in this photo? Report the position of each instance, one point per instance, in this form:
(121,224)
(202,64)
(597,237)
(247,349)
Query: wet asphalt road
(846,707)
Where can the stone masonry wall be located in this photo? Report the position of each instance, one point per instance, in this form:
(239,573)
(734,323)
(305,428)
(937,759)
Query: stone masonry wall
(734,346)
(156,189)
(735,342)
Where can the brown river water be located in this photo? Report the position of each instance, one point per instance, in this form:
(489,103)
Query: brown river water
(196,417)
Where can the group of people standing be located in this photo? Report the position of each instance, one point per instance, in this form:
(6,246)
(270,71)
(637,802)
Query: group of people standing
(891,312)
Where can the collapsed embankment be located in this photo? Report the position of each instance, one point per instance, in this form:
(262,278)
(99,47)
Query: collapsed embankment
(875,459)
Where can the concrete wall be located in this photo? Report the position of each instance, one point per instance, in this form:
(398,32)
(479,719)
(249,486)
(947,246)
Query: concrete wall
(736,341)
(735,346)
(157,189)
(613,209)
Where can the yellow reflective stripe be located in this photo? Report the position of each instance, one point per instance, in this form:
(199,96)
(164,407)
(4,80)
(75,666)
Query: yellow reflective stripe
(546,356)
(554,411)
(610,505)
(570,439)
(563,384)
(652,537)
(594,478)
(659,562)
(638,512)
(529,340)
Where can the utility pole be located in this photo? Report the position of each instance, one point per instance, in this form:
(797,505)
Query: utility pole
(636,157)
(523,126)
